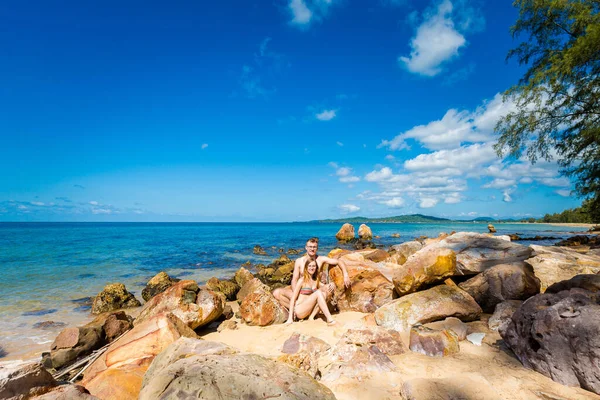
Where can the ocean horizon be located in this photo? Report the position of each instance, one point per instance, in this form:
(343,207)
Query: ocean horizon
(51,269)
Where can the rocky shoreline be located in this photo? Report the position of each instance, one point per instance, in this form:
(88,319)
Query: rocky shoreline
(485,307)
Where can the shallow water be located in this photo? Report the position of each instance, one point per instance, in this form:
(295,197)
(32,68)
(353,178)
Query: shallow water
(47,268)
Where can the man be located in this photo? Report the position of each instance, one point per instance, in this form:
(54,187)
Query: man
(283,295)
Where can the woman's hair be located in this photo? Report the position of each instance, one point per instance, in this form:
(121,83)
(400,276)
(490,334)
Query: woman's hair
(317,274)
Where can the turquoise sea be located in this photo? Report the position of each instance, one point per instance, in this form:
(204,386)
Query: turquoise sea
(48,269)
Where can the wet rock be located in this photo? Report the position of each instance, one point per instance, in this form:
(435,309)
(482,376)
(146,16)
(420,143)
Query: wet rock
(38,313)
(114,296)
(433,342)
(67,392)
(403,251)
(554,264)
(426,266)
(578,240)
(395,235)
(261,308)
(48,325)
(455,325)
(558,335)
(364,232)
(242,276)
(293,252)
(118,372)
(369,289)
(282,260)
(195,307)
(279,273)
(215,371)
(500,283)
(115,325)
(346,233)
(72,343)
(503,314)
(158,284)
(491,228)
(429,305)
(24,381)
(589,282)
(259,250)
(228,288)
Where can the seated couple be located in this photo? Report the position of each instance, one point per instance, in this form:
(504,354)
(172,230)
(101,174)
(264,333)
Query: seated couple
(308,294)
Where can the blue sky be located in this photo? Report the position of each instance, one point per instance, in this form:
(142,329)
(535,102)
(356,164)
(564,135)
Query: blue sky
(260,111)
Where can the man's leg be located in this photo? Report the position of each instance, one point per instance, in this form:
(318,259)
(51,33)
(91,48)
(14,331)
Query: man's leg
(284,296)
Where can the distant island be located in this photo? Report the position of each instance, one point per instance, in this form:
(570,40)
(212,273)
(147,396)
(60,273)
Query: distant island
(417,219)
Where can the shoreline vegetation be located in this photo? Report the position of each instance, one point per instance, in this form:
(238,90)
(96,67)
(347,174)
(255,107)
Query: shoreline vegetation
(450,304)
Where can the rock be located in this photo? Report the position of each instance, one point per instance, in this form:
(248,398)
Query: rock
(476,338)
(242,276)
(115,325)
(433,342)
(214,371)
(282,260)
(426,266)
(500,283)
(427,306)
(395,235)
(589,282)
(476,252)
(158,284)
(377,255)
(307,362)
(114,296)
(279,273)
(403,251)
(293,252)
(504,237)
(491,228)
(228,288)
(387,341)
(558,335)
(118,372)
(24,381)
(503,314)
(67,392)
(48,325)
(298,343)
(261,308)
(452,324)
(555,264)
(227,324)
(364,232)
(346,233)
(72,343)
(259,251)
(369,289)
(250,287)
(578,240)
(194,306)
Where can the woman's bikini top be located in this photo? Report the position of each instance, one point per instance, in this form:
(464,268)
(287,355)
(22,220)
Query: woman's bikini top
(306,290)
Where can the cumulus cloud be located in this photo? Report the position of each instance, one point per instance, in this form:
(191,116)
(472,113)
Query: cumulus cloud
(563,192)
(344,174)
(394,202)
(349,208)
(436,42)
(326,115)
(506,196)
(305,12)
(428,202)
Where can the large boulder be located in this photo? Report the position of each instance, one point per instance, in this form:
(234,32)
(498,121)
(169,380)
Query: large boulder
(24,381)
(114,296)
(502,315)
(429,305)
(427,266)
(433,342)
(369,289)
(376,255)
(194,306)
(261,308)
(242,276)
(158,284)
(554,264)
(500,283)
(455,325)
(302,352)
(250,287)
(402,251)
(476,252)
(211,371)
(67,392)
(364,232)
(228,288)
(115,325)
(589,282)
(346,233)
(119,371)
(278,273)
(72,343)
(558,335)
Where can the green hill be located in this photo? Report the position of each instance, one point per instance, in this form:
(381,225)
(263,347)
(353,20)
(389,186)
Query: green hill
(411,219)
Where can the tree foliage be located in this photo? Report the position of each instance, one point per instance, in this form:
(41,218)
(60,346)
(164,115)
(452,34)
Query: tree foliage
(557,101)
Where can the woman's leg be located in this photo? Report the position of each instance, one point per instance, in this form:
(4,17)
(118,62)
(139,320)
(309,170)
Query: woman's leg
(323,305)
(314,312)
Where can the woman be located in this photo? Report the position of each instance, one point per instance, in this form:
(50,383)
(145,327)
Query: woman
(307,298)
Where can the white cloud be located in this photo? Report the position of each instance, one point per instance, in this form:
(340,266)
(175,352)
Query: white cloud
(383,174)
(304,12)
(349,208)
(326,115)
(301,14)
(507,198)
(340,144)
(94,203)
(500,183)
(22,207)
(101,211)
(453,162)
(38,203)
(436,42)
(394,202)
(349,179)
(390,157)
(344,173)
(205,145)
(453,198)
(428,202)
(333,164)
(564,192)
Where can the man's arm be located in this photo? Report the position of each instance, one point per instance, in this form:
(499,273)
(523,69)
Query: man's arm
(296,275)
(340,263)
